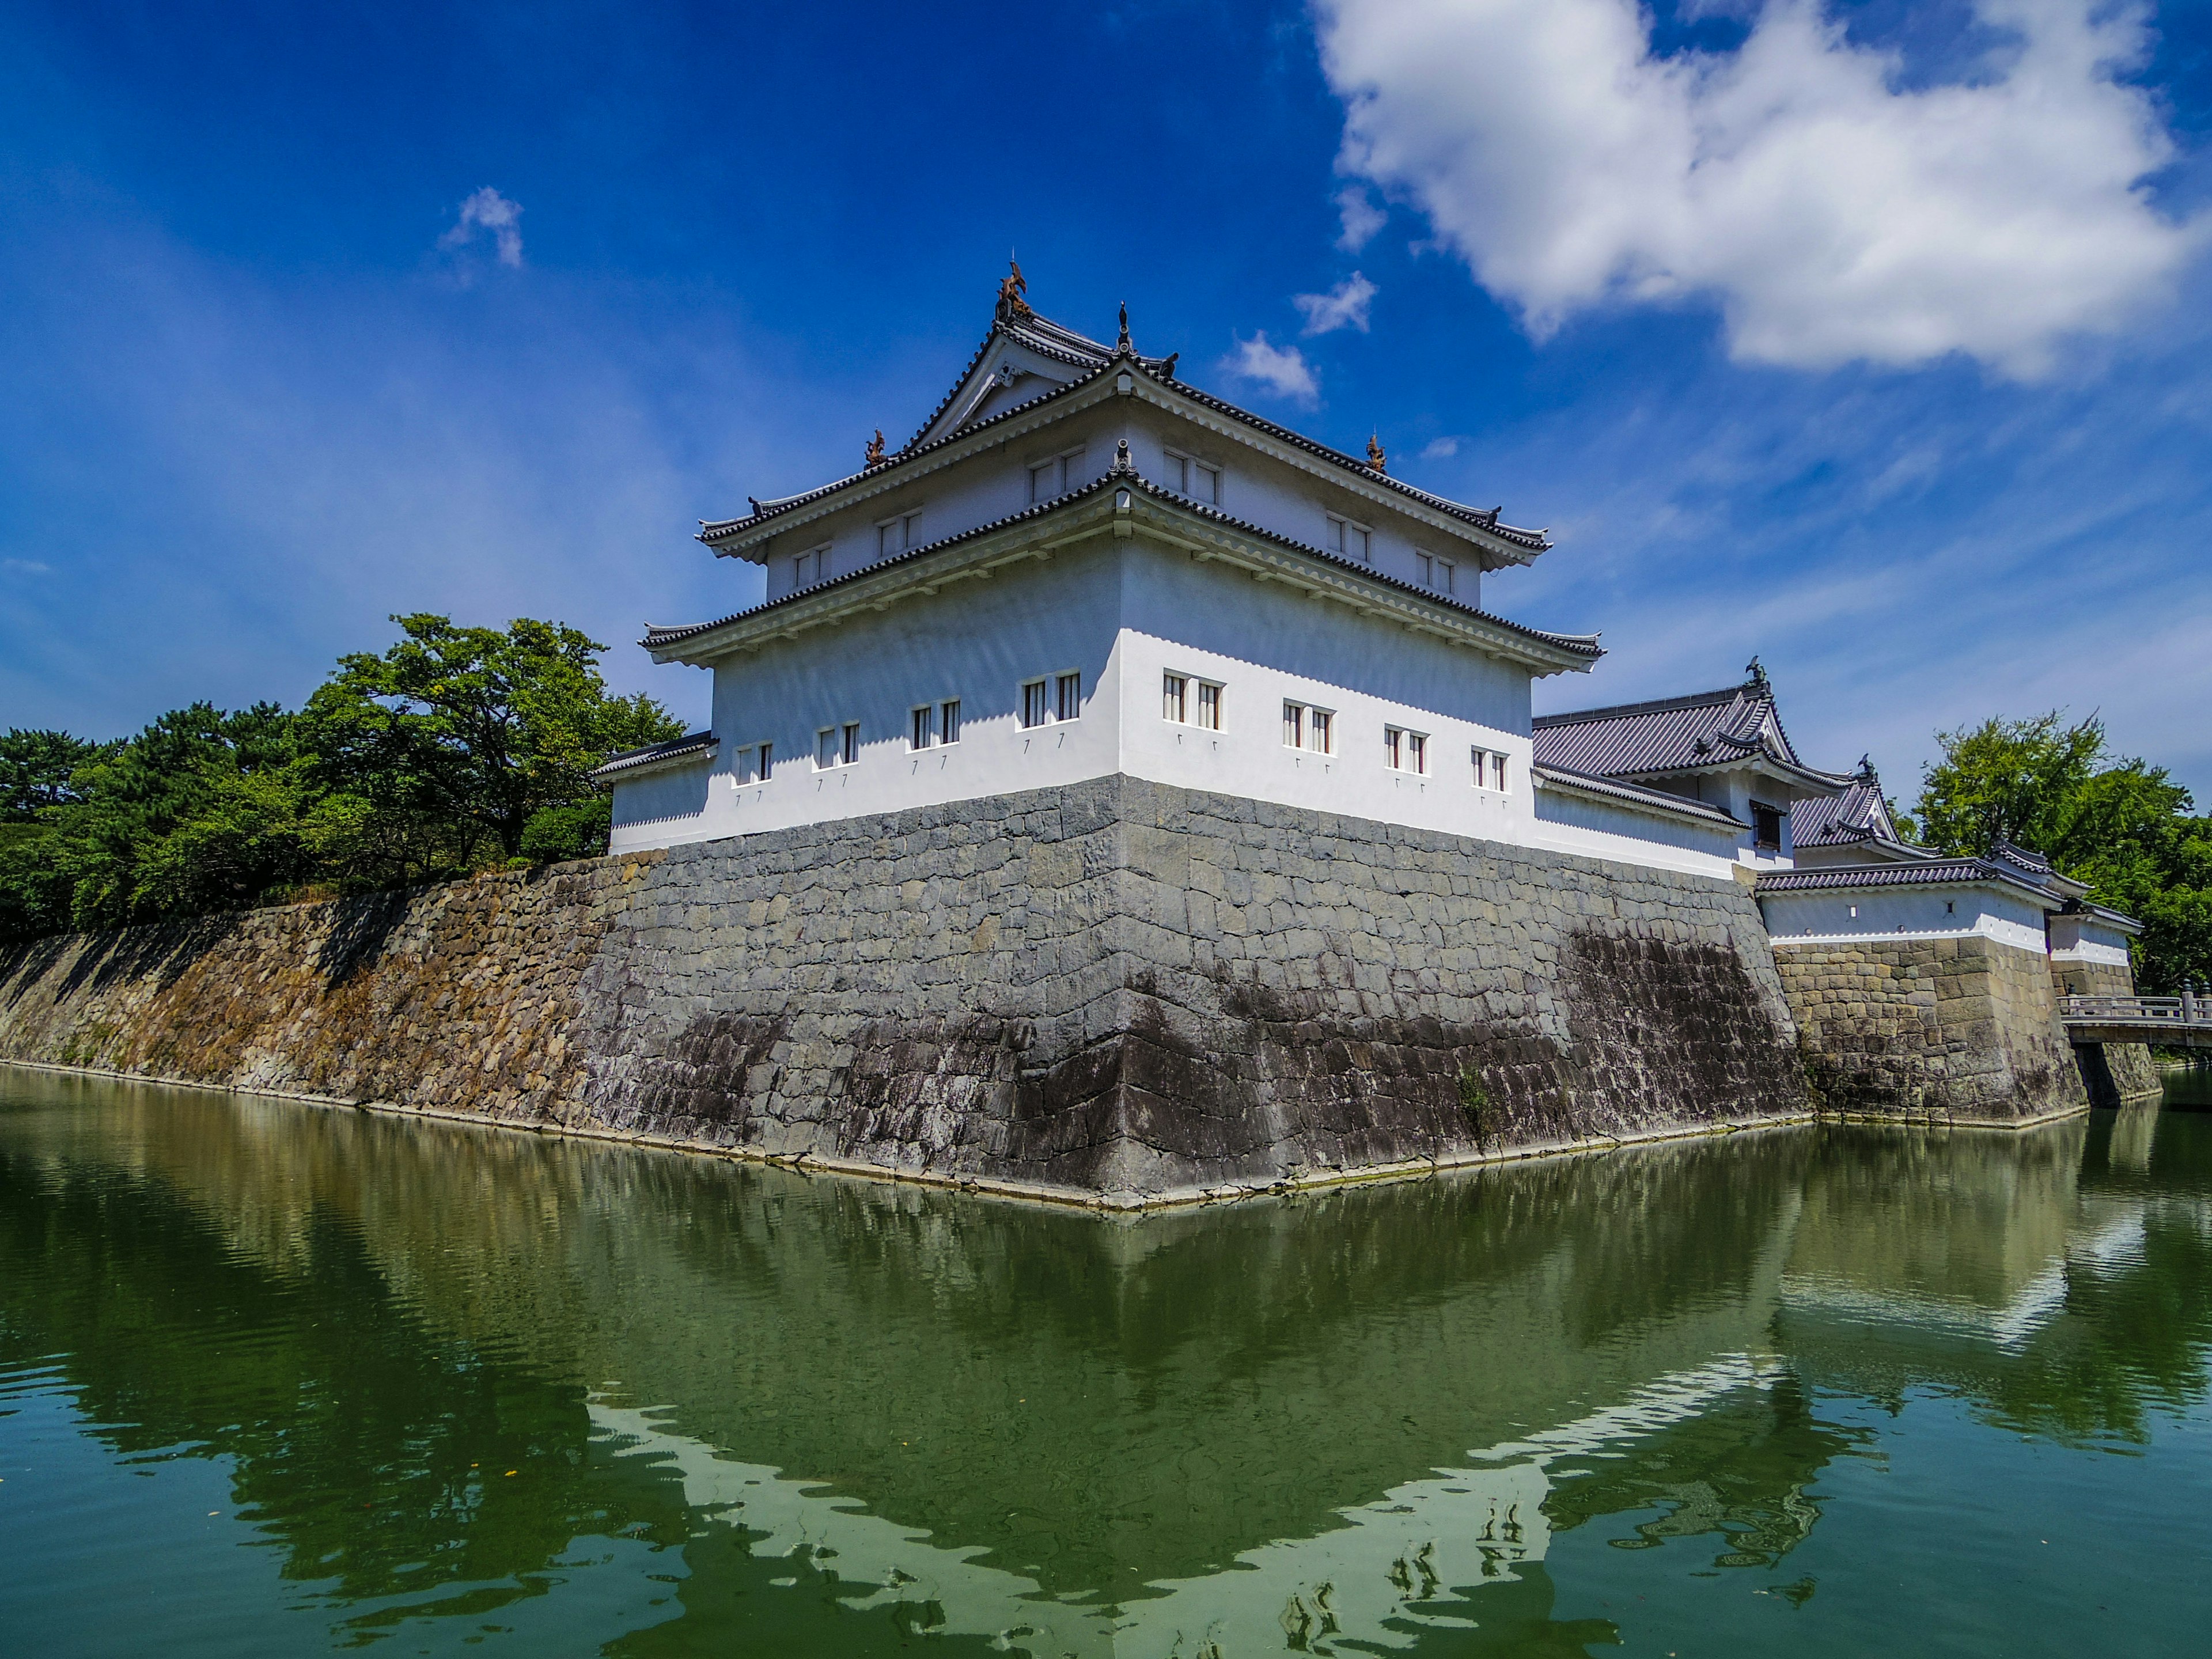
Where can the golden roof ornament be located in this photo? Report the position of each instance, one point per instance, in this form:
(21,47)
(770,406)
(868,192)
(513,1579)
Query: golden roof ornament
(876,457)
(1376,457)
(1012,307)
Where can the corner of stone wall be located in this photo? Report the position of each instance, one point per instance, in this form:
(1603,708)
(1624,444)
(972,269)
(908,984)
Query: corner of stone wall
(1963,1027)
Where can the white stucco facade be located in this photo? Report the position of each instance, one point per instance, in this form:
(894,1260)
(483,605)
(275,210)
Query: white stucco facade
(1873,914)
(1073,530)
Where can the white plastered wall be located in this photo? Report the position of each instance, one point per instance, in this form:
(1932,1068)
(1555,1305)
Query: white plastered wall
(1122,615)
(1825,917)
(2086,939)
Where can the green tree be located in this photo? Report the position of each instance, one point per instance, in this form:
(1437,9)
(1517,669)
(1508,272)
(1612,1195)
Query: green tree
(2119,824)
(34,771)
(201,810)
(473,728)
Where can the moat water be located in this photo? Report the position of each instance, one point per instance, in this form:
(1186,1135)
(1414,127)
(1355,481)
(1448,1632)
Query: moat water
(276,1380)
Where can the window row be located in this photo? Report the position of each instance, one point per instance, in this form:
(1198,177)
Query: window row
(1049,701)
(1181,697)
(1305,726)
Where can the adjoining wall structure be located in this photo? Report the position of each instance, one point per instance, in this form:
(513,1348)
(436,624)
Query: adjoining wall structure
(1118,991)
(2089,958)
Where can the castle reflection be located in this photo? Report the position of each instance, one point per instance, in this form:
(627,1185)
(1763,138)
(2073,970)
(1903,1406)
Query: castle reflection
(841,1416)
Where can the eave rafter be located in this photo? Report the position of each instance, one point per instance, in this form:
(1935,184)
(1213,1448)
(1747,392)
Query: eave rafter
(1123,505)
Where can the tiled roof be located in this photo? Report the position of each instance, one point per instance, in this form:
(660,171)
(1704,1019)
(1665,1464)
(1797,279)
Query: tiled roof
(1859,814)
(698,743)
(1580,645)
(1671,734)
(1932,872)
(1092,360)
(1658,799)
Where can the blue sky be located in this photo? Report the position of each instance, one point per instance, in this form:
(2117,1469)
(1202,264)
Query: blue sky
(1871,338)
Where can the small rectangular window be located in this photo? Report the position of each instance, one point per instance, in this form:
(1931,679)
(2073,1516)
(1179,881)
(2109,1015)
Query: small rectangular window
(899,534)
(826,748)
(852,741)
(923,726)
(1175,472)
(1209,705)
(1206,483)
(1428,569)
(1766,827)
(948,721)
(1354,541)
(1336,529)
(1497,773)
(767,761)
(1447,576)
(1321,727)
(1068,701)
(1174,698)
(1294,725)
(1417,752)
(1394,748)
(742,771)
(1033,703)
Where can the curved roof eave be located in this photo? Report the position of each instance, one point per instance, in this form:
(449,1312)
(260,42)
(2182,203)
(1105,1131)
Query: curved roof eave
(1566,650)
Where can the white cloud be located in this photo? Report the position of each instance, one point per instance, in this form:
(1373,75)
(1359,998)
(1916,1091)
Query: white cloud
(1344,305)
(489,210)
(1361,218)
(26,567)
(1833,215)
(1440,449)
(1282,369)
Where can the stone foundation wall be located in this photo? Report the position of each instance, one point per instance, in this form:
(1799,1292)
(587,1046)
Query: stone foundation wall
(2114,1072)
(1118,988)
(1954,1027)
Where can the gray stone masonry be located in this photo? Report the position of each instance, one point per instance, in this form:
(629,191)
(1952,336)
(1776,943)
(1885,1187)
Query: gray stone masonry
(1128,988)
(1950,1027)
(1115,989)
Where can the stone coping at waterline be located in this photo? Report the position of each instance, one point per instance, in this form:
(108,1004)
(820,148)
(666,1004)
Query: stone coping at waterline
(1126,1204)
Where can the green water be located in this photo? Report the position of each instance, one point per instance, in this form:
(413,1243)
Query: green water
(274,1380)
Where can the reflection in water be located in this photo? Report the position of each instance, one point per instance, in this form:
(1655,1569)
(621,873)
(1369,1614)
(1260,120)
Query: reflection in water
(466,1386)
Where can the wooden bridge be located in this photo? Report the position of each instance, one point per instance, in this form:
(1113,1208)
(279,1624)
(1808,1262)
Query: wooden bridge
(2182,1022)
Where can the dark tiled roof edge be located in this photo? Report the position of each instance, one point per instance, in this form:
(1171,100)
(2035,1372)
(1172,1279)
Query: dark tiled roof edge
(1628,710)
(1934,872)
(698,743)
(1581,644)
(1568,778)
(1154,369)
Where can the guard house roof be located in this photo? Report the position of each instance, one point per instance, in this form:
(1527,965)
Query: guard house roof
(970,407)
(1706,731)
(1858,820)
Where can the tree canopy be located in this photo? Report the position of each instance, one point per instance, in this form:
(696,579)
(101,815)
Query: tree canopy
(456,749)
(2117,823)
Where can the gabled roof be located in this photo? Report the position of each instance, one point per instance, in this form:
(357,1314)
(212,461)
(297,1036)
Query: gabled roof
(957,416)
(656,755)
(1571,649)
(1860,816)
(1729,727)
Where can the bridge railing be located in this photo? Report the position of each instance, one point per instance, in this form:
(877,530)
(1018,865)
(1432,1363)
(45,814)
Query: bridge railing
(2186,1010)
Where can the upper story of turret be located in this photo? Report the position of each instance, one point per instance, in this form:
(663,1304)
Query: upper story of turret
(1041,411)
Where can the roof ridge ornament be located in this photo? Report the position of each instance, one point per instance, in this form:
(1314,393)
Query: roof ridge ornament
(1122,344)
(1123,467)
(1753,674)
(1375,457)
(875,450)
(1014,306)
